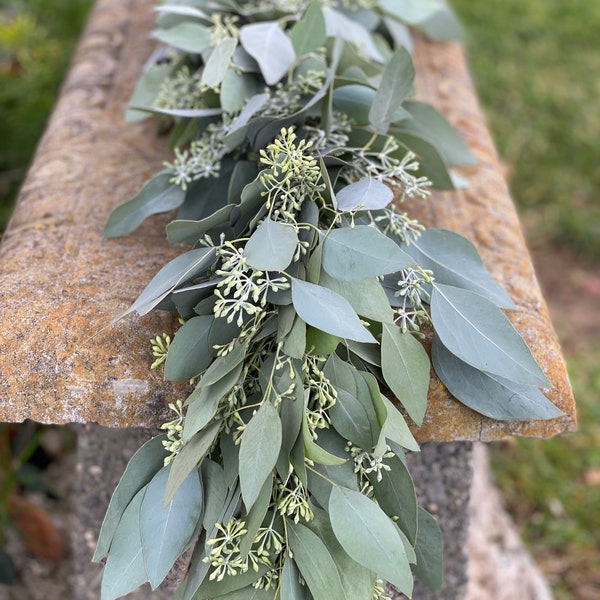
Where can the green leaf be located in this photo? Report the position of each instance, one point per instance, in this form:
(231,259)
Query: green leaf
(366,194)
(140,470)
(315,452)
(125,569)
(271,247)
(405,366)
(396,84)
(187,36)
(412,12)
(217,64)
(295,341)
(315,563)
(444,26)
(488,394)
(429,123)
(308,34)
(248,593)
(291,588)
(396,429)
(166,531)
(259,450)
(215,492)
(328,311)
(181,269)
(236,90)
(184,230)
(146,90)
(224,364)
(361,252)
(188,459)
(349,417)
(320,343)
(158,195)
(188,11)
(255,516)
(477,331)
(355,100)
(395,494)
(429,549)
(369,537)
(189,353)
(229,585)
(455,261)
(272,49)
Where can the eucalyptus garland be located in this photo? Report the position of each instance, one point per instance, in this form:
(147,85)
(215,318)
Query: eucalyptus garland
(303,297)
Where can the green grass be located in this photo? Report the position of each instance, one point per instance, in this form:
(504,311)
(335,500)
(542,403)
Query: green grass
(37,38)
(536,66)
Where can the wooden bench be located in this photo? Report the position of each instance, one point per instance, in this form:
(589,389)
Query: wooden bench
(62,283)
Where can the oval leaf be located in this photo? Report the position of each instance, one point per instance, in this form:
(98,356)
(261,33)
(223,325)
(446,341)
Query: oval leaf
(369,537)
(366,194)
(218,63)
(490,395)
(259,450)
(187,36)
(271,247)
(309,34)
(477,331)
(405,366)
(166,531)
(429,549)
(328,312)
(270,47)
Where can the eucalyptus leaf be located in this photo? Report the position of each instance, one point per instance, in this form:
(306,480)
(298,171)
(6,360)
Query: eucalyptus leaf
(396,84)
(396,429)
(365,194)
(295,341)
(315,452)
(259,450)
(248,593)
(166,530)
(191,231)
(291,588)
(255,516)
(477,331)
(189,353)
(181,269)
(189,11)
(146,91)
(355,100)
(369,537)
(188,36)
(455,261)
(217,65)
(158,195)
(315,563)
(125,569)
(308,33)
(405,367)
(349,417)
(327,311)
(271,247)
(412,12)
(225,364)
(236,90)
(272,49)
(215,492)
(489,394)
(140,470)
(429,549)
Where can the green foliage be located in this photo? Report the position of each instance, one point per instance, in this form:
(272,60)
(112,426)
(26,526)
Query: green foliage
(37,38)
(304,301)
(541,107)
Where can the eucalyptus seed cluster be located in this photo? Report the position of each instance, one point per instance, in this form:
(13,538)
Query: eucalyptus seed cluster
(321,395)
(181,90)
(160,348)
(174,442)
(412,315)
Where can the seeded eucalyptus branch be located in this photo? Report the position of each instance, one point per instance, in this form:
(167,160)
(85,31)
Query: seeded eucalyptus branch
(304,297)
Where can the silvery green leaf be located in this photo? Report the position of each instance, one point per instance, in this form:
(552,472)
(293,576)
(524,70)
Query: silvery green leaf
(349,417)
(187,11)
(431,163)
(455,261)
(187,298)
(189,113)
(366,194)
(125,569)
(220,590)
(236,90)
(412,12)
(395,494)
(272,49)
(315,563)
(369,537)
(166,530)
(368,352)
(443,25)
(215,492)
(366,296)
(271,247)
(400,33)
(432,125)
(204,401)
(396,84)
(340,374)
(488,394)
(477,331)
(354,100)
(396,429)
(217,64)
(191,231)
(141,468)
(328,311)
(249,593)
(255,516)
(308,34)
(312,450)
(187,36)
(158,195)
(244,62)
(294,344)
(259,450)
(181,269)
(224,364)
(189,458)
(189,353)
(361,252)
(405,367)
(291,588)
(338,25)
(146,91)
(429,549)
